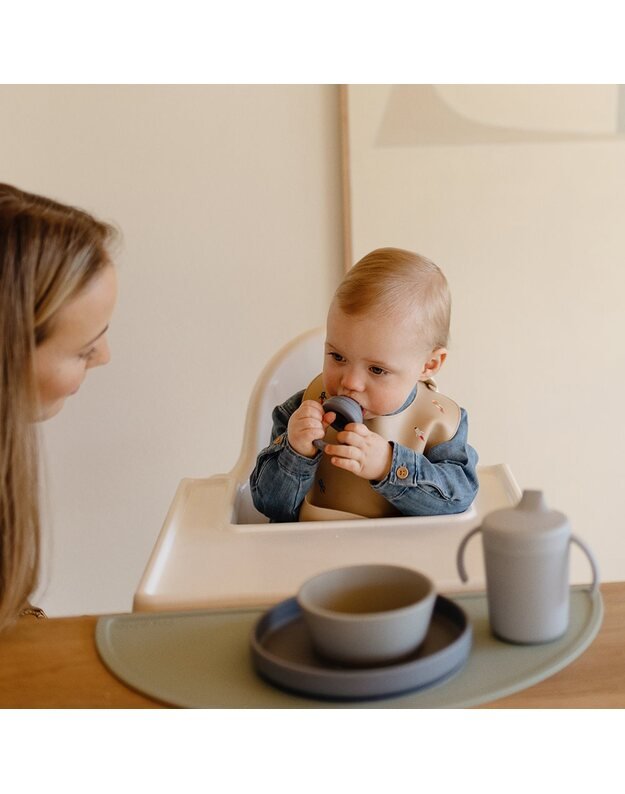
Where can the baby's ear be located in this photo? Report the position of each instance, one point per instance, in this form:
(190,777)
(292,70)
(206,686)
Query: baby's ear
(434,362)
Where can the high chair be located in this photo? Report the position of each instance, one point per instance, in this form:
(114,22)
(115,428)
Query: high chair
(215,549)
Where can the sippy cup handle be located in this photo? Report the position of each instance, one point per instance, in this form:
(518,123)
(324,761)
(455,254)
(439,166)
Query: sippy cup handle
(592,560)
(460,554)
(574,539)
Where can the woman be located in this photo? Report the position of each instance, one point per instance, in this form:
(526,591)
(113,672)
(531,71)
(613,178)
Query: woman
(57,293)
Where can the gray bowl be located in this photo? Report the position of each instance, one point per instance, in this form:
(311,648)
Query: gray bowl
(367,614)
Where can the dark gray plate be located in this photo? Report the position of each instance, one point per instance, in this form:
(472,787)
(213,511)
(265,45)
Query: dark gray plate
(282,654)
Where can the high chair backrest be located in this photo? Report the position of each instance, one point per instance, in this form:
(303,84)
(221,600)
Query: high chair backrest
(291,369)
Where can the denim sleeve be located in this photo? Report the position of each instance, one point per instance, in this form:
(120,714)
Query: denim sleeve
(282,477)
(439,482)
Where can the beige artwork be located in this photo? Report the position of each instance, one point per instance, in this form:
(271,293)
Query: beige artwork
(422,115)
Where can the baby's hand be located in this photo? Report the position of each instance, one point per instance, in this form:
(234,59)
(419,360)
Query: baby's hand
(307,424)
(361,451)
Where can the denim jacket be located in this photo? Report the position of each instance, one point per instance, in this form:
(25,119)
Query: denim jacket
(441,481)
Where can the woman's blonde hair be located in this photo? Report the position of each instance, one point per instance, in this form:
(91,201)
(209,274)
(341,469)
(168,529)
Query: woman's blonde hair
(396,282)
(48,253)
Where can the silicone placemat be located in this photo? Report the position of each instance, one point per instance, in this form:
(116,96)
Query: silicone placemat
(202,659)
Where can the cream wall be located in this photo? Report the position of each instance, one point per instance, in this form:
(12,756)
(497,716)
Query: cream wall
(230,205)
(518,192)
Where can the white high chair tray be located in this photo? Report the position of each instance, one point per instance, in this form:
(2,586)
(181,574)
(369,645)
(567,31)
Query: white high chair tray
(203,560)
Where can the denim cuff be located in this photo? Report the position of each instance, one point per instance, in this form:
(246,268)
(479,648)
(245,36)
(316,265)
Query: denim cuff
(404,469)
(291,461)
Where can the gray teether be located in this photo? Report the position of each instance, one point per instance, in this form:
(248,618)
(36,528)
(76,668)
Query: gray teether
(346,410)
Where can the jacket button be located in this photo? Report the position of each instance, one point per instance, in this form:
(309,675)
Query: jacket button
(402,472)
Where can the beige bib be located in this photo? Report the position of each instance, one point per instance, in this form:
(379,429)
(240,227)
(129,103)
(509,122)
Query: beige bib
(430,419)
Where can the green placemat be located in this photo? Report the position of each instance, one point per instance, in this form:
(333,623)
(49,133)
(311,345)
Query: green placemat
(201,659)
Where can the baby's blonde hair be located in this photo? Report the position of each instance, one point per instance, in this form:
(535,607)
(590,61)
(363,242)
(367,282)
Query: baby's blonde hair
(393,281)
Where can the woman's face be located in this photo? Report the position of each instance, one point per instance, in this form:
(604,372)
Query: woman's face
(77,343)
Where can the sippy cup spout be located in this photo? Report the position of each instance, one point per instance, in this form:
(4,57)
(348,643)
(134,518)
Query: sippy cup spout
(533,500)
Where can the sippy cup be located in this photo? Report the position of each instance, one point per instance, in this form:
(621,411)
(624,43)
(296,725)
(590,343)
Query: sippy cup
(346,410)
(526,556)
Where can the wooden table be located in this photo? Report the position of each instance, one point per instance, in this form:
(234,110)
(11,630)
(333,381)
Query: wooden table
(54,664)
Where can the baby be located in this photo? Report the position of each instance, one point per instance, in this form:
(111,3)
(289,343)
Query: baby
(387,332)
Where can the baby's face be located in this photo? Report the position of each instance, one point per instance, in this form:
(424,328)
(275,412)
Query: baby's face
(371,359)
